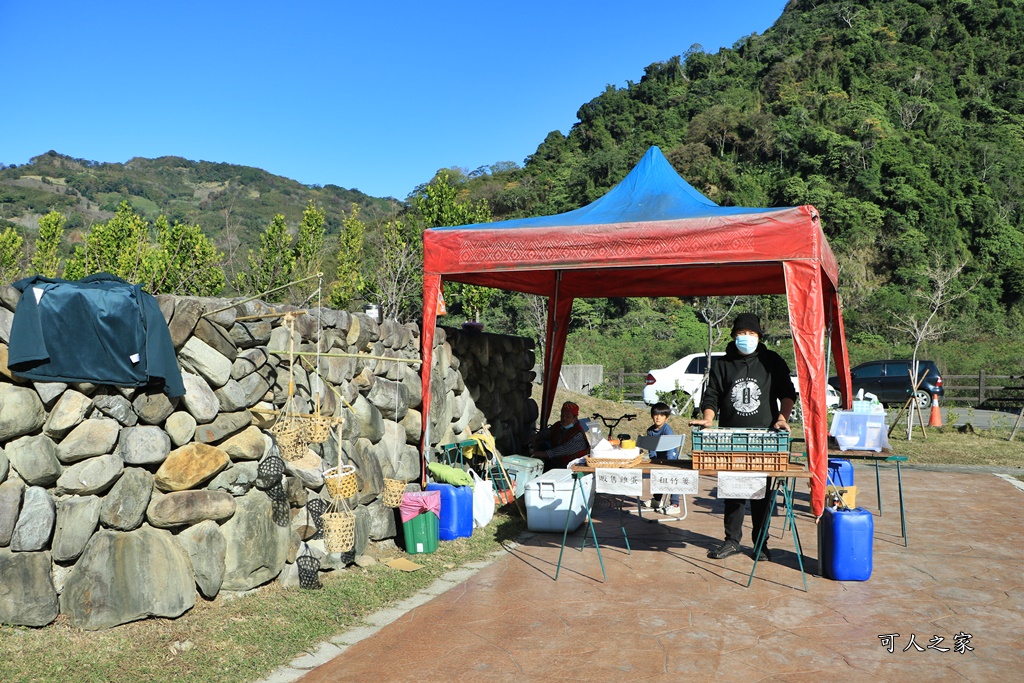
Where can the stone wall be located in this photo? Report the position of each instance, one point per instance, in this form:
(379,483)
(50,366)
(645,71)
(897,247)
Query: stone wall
(117,503)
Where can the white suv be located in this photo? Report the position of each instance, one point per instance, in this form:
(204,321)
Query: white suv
(686,374)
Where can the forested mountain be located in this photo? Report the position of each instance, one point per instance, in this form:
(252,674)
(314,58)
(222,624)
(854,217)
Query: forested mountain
(902,121)
(232,204)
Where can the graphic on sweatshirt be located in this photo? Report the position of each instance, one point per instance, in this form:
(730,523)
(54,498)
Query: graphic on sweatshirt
(746,397)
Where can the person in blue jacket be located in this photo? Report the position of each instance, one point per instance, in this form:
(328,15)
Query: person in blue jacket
(659,415)
(750,386)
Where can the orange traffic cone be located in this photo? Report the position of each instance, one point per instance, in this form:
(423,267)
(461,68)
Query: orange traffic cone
(935,419)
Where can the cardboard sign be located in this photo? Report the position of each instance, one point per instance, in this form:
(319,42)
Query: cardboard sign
(619,481)
(750,485)
(674,481)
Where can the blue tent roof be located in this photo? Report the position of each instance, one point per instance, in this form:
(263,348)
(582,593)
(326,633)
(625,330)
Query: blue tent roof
(652,191)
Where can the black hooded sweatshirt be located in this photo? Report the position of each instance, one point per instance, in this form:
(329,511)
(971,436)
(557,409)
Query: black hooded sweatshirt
(745,391)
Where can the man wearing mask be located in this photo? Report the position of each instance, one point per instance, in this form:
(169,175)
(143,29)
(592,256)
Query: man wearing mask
(748,387)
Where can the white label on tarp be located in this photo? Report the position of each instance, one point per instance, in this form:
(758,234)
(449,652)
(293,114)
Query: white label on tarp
(134,357)
(752,485)
(38,291)
(620,481)
(673,481)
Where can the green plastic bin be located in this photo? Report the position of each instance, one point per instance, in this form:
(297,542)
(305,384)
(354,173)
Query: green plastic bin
(421,532)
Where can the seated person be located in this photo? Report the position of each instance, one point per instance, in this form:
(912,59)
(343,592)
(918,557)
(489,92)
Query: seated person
(562,442)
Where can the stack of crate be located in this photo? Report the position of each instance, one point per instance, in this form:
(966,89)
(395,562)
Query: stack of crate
(740,449)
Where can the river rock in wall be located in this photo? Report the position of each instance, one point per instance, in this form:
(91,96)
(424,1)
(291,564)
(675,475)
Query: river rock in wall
(183,508)
(152,407)
(256,545)
(206,548)
(21,411)
(27,594)
(77,517)
(199,399)
(90,438)
(183,321)
(217,338)
(116,407)
(69,410)
(124,506)
(126,576)
(11,492)
(224,426)
(206,362)
(180,427)
(190,466)
(34,458)
(146,445)
(94,475)
(35,522)
(249,444)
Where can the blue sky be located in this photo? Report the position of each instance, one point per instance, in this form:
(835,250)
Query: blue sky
(373,96)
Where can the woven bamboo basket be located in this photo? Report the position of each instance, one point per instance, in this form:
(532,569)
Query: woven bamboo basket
(319,428)
(341,481)
(291,439)
(394,489)
(339,531)
(616,462)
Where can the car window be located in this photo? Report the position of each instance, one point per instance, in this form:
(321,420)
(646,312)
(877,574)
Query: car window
(697,365)
(868,371)
(900,370)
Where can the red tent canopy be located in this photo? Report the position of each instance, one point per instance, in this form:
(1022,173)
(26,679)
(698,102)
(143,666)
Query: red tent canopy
(654,235)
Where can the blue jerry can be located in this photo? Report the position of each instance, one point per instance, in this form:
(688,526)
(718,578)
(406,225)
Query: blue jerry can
(845,545)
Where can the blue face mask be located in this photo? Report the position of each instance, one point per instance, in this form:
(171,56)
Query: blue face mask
(746,343)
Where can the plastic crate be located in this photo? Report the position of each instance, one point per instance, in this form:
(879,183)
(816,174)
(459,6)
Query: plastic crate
(742,462)
(740,440)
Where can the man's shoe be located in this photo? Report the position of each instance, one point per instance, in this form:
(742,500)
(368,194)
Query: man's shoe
(673,510)
(725,550)
(765,555)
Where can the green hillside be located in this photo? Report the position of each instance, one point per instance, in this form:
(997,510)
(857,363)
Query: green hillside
(233,204)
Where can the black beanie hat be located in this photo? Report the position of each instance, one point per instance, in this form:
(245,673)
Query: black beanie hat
(747,321)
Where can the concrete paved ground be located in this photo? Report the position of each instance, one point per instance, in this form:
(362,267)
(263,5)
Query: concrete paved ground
(668,613)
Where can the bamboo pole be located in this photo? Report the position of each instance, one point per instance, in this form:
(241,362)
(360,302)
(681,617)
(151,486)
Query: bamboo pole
(347,355)
(257,296)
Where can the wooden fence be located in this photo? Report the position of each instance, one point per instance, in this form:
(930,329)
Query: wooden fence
(629,384)
(983,388)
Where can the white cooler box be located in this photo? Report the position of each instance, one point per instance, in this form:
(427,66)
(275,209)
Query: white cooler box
(547,501)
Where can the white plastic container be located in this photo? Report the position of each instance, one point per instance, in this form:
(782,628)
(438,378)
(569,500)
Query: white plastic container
(547,501)
(859,431)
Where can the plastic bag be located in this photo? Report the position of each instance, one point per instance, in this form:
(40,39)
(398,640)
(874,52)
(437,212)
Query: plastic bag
(483,500)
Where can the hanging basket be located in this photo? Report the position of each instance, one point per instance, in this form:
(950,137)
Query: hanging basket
(341,481)
(339,531)
(318,428)
(291,438)
(309,572)
(394,489)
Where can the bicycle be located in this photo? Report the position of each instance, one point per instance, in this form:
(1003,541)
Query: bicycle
(612,422)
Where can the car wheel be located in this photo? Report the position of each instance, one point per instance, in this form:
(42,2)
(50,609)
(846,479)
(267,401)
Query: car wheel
(924,399)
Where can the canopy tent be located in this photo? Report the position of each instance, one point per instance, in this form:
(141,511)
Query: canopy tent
(654,235)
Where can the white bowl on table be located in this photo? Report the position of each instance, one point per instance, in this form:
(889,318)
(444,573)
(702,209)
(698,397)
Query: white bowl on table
(847,441)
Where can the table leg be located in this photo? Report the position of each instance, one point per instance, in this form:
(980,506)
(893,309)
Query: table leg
(878,489)
(590,523)
(782,484)
(903,514)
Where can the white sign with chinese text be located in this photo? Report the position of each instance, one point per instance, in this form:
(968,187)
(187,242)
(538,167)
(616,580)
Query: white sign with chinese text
(752,485)
(619,481)
(674,481)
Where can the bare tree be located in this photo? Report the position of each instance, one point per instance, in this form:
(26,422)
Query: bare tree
(713,311)
(926,325)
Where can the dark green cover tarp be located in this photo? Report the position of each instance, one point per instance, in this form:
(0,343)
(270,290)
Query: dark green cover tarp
(99,329)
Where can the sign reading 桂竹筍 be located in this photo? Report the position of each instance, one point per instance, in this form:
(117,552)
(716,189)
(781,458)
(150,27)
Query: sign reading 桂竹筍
(674,481)
(619,481)
(752,485)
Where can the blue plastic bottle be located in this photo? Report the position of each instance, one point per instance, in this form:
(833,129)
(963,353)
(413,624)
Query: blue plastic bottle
(840,471)
(456,511)
(845,546)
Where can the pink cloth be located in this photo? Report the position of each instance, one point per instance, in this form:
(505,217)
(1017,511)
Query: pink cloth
(415,502)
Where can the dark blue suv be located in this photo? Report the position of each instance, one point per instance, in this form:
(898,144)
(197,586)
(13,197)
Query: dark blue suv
(889,380)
